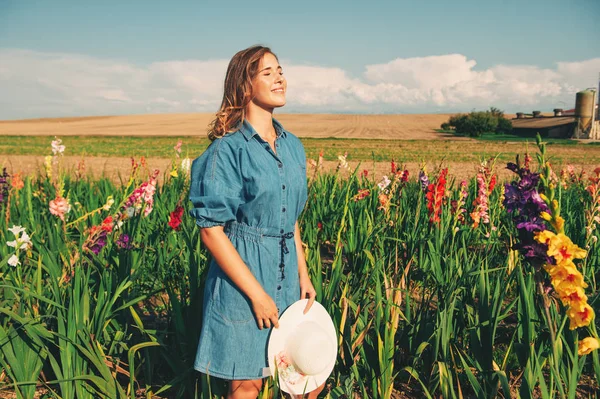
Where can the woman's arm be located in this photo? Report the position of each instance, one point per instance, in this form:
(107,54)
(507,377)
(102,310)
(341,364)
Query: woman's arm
(228,258)
(307,290)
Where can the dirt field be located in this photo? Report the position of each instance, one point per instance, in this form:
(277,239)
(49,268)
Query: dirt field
(407,127)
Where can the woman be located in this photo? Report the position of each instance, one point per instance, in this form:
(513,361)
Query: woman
(248,189)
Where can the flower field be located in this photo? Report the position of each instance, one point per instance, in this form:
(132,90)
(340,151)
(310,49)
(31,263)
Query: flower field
(478,288)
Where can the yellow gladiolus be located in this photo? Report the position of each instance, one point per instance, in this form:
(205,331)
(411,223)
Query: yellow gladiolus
(546,216)
(565,273)
(570,293)
(580,315)
(587,345)
(560,246)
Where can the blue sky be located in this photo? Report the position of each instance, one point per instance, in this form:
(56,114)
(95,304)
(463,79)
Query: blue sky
(373,57)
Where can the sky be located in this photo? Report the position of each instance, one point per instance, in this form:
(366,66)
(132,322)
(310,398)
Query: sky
(77,58)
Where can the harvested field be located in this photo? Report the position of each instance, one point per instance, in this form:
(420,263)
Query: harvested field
(399,127)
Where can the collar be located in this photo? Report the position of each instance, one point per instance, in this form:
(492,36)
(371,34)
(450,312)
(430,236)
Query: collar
(249,132)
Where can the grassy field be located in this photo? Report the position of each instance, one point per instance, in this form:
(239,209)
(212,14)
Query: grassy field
(569,152)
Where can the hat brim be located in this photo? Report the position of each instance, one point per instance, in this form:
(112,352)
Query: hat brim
(288,321)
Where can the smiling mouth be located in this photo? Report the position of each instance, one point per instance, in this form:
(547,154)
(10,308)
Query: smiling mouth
(277,91)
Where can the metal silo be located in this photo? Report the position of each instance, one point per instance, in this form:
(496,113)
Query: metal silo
(584,108)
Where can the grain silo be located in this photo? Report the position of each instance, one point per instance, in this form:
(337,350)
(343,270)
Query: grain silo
(584,109)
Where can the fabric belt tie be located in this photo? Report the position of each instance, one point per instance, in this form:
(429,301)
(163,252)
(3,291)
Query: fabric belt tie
(284,250)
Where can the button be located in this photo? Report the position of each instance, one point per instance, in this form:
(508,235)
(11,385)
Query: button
(283,187)
(281,231)
(278,287)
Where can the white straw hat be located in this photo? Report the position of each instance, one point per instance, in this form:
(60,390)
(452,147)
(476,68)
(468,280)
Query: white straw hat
(303,350)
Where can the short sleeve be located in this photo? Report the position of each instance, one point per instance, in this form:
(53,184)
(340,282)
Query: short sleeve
(215,187)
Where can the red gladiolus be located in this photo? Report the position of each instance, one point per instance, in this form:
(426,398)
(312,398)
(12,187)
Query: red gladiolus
(319,225)
(492,183)
(435,197)
(175,218)
(393,166)
(107,224)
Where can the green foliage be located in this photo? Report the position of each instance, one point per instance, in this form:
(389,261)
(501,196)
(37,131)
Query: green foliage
(477,123)
(504,126)
(446,310)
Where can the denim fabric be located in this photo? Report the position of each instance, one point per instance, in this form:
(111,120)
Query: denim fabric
(257,194)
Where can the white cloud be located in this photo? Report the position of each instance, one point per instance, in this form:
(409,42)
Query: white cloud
(35,84)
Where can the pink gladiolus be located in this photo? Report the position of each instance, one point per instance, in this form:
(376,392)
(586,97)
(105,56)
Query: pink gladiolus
(178,147)
(59,207)
(145,192)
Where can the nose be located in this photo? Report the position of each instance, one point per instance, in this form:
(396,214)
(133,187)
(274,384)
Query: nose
(279,78)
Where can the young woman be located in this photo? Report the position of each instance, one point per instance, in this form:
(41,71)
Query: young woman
(248,189)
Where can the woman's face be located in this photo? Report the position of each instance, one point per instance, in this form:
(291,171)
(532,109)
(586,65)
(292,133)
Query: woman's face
(269,86)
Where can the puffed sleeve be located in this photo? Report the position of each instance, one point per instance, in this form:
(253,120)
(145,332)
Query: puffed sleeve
(215,188)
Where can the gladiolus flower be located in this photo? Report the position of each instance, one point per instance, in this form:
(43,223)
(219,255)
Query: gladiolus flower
(109,202)
(178,147)
(384,201)
(385,181)
(546,216)
(57,147)
(17,182)
(571,294)
(587,345)
(107,224)
(185,165)
(123,241)
(435,197)
(48,165)
(13,260)
(362,194)
(16,230)
(59,207)
(580,315)
(560,247)
(565,272)
(343,163)
(175,218)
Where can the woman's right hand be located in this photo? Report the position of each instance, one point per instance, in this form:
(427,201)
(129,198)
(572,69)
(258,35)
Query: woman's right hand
(265,311)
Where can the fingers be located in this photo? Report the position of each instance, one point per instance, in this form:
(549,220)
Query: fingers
(311,300)
(275,321)
(268,322)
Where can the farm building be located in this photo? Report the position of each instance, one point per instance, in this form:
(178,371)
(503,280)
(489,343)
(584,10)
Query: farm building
(546,126)
(580,122)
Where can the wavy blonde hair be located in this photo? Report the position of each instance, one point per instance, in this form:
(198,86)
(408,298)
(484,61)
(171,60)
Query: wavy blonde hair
(237,90)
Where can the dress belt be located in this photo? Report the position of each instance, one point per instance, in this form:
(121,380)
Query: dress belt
(284,249)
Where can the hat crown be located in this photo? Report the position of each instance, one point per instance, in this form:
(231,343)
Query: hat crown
(310,348)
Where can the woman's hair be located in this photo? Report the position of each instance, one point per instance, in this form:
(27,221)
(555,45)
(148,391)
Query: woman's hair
(237,90)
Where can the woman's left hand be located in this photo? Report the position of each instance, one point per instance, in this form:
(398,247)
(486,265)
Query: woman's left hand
(307,291)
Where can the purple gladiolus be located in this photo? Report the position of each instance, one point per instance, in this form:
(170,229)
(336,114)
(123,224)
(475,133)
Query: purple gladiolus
(424,180)
(523,201)
(123,241)
(4,184)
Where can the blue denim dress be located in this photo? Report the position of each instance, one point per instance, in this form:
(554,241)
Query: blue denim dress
(257,194)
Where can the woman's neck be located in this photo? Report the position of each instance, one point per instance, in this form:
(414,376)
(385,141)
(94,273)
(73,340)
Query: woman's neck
(262,121)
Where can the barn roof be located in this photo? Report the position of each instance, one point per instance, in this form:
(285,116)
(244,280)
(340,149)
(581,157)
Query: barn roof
(542,123)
